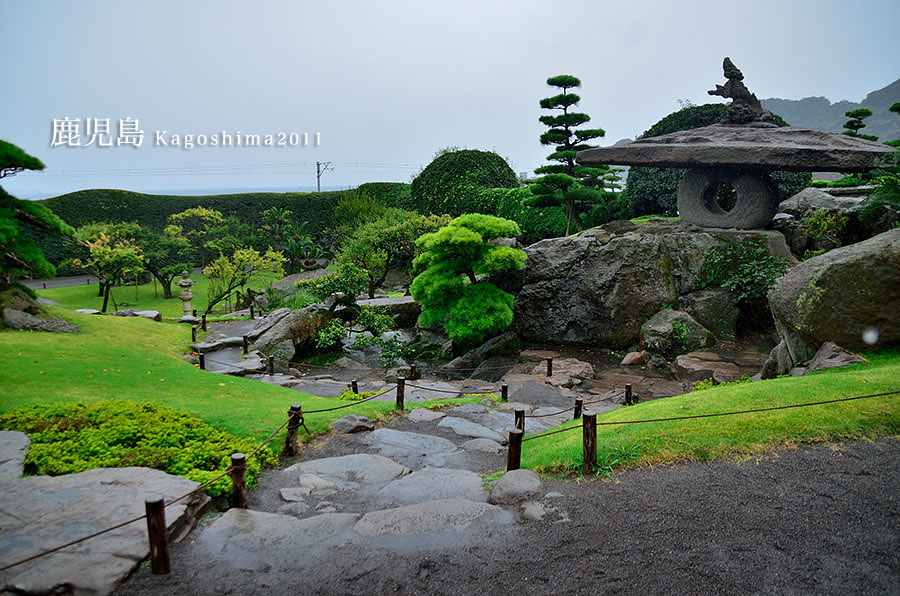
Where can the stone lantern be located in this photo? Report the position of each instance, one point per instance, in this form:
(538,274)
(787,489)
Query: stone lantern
(185,284)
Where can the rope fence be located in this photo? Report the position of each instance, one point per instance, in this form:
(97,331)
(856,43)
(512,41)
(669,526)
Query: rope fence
(589,426)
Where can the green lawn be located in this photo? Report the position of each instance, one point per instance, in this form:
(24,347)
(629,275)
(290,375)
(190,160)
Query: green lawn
(144,297)
(632,445)
(141,360)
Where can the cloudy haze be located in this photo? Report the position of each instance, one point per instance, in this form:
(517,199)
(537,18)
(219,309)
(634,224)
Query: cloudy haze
(388,83)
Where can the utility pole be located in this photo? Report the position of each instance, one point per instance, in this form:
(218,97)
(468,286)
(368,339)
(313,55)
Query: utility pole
(321,168)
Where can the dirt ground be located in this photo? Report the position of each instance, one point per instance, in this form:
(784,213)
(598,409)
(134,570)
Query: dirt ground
(821,519)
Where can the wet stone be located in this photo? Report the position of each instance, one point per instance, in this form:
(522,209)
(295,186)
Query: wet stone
(465,428)
(358,467)
(424,415)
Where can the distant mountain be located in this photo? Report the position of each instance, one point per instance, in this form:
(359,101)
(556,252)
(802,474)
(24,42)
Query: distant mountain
(821,114)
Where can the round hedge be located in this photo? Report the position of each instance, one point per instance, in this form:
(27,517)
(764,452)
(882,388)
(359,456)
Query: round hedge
(653,191)
(452,181)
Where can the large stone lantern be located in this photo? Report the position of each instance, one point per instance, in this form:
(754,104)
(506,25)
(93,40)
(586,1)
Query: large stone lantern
(185,284)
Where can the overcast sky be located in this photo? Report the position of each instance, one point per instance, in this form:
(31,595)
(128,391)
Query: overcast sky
(387,83)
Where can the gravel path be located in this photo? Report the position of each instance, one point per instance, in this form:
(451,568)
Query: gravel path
(820,519)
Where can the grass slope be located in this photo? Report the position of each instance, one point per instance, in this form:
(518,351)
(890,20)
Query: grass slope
(632,445)
(140,360)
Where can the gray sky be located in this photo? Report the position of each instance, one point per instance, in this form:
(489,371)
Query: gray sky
(387,83)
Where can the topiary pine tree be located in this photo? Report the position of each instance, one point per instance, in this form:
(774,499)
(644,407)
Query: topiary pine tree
(566,183)
(855,124)
(452,288)
(19,254)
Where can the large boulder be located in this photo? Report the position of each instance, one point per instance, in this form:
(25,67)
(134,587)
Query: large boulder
(599,288)
(292,333)
(17,319)
(714,309)
(849,296)
(672,332)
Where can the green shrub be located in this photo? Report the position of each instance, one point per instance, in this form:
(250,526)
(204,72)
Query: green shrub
(451,182)
(389,194)
(745,268)
(70,438)
(331,335)
(348,395)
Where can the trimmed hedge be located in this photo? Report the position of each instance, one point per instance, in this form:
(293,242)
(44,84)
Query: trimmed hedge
(450,184)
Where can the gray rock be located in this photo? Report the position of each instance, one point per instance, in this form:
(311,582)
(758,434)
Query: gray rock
(505,344)
(469,409)
(255,540)
(447,515)
(295,494)
(424,415)
(17,319)
(432,484)
(832,356)
(516,486)
(494,368)
(414,449)
(465,428)
(778,363)
(672,332)
(154,315)
(715,310)
(567,372)
(358,467)
(40,512)
(578,291)
(352,423)
(190,319)
(420,390)
(810,200)
(700,366)
(125,312)
(13,449)
(404,309)
(532,511)
(88,311)
(294,331)
(266,322)
(483,446)
(312,482)
(636,358)
(848,296)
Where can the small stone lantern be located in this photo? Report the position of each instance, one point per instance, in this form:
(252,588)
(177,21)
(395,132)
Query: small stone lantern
(185,284)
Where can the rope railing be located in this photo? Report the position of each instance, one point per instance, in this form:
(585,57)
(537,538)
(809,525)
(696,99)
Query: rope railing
(589,425)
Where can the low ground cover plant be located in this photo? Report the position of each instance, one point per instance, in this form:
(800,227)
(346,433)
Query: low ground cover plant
(71,438)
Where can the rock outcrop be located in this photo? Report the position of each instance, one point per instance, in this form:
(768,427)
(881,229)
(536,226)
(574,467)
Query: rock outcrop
(672,332)
(17,319)
(599,287)
(849,296)
(292,333)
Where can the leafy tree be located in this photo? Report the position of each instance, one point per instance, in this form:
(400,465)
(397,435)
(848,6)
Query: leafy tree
(345,285)
(654,191)
(576,188)
(453,287)
(855,124)
(227,274)
(452,182)
(19,253)
(286,234)
(165,255)
(229,235)
(196,224)
(388,243)
(112,253)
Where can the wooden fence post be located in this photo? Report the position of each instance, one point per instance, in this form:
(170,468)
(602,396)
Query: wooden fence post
(514,450)
(252,314)
(504,392)
(628,399)
(246,344)
(271,368)
(294,416)
(203,320)
(201,358)
(160,563)
(239,479)
(193,333)
(579,404)
(519,419)
(401,390)
(549,367)
(412,372)
(354,386)
(194,313)
(589,438)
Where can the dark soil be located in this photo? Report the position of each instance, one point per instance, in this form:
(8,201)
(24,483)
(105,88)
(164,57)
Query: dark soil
(821,519)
